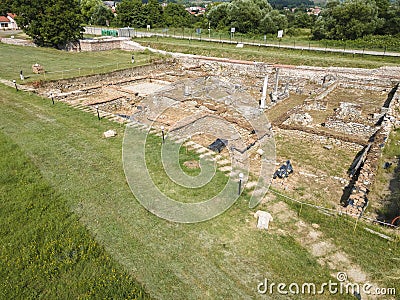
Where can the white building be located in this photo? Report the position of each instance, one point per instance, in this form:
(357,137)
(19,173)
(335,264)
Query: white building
(8,22)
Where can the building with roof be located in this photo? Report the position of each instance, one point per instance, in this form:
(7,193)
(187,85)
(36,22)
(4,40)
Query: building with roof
(8,22)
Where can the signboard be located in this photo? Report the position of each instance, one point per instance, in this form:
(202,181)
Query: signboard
(198,30)
(239,45)
(148,27)
(233,29)
(109,32)
(280,33)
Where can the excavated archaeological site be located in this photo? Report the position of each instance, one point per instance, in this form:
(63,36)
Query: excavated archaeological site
(331,123)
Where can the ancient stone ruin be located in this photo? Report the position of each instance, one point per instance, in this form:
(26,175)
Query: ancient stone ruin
(334,106)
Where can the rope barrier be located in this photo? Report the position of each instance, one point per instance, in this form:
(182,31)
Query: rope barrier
(334,210)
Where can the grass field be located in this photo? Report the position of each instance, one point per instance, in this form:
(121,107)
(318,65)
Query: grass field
(46,252)
(269,55)
(67,184)
(16,59)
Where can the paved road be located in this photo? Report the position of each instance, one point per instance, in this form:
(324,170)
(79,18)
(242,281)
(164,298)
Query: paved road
(139,34)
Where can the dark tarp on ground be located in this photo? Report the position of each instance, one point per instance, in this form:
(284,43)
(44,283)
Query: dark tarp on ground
(284,170)
(218,145)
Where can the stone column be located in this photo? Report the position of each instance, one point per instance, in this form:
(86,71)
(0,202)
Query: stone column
(264,92)
(186,91)
(274,94)
(276,81)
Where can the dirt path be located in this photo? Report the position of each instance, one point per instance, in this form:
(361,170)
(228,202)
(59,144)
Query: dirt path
(324,249)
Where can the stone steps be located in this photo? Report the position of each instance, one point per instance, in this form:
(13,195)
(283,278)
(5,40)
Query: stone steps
(224,164)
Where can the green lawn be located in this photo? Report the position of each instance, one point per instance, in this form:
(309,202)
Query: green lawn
(45,251)
(374,255)
(269,55)
(61,64)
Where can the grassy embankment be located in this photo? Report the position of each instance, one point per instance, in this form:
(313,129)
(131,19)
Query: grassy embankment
(46,252)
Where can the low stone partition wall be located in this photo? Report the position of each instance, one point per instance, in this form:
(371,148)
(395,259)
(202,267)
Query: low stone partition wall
(17,42)
(351,128)
(364,177)
(85,82)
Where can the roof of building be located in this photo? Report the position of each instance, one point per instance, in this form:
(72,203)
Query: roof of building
(8,19)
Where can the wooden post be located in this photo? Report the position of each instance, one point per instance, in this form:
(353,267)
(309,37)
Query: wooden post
(301,208)
(355,225)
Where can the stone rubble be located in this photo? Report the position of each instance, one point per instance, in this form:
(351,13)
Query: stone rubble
(364,178)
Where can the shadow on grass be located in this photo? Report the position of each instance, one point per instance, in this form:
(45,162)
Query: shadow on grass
(391,208)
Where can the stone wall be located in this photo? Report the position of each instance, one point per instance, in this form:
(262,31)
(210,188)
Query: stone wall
(18,42)
(98,80)
(358,199)
(351,128)
(310,137)
(103,44)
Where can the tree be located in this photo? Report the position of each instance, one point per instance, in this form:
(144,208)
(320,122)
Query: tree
(303,20)
(390,13)
(131,13)
(264,6)
(154,13)
(88,7)
(351,19)
(218,16)
(247,16)
(175,15)
(55,24)
(5,7)
(244,15)
(272,22)
(280,4)
(102,16)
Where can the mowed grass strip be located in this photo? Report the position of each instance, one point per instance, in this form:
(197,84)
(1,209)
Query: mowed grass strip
(45,251)
(62,64)
(224,258)
(269,55)
(375,255)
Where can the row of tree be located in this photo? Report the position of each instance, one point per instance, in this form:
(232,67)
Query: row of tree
(57,22)
(339,20)
(135,13)
(348,19)
(256,16)
(354,19)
